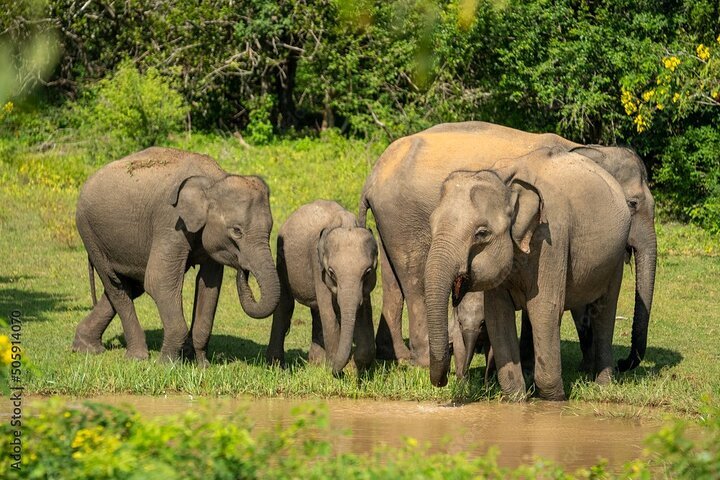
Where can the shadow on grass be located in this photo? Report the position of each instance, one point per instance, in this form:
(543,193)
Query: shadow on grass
(222,349)
(33,305)
(655,360)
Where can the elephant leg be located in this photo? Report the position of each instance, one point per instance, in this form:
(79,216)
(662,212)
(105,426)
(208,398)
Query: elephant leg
(500,321)
(88,334)
(364,338)
(458,345)
(527,349)
(581,317)
(317,345)
(164,283)
(545,319)
(602,318)
(282,318)
(207,291)
(389,340)
(121,298)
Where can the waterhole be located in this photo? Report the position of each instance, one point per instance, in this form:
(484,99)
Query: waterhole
(571,435)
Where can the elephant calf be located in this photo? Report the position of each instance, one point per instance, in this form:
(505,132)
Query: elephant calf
(146,219)
(327,263)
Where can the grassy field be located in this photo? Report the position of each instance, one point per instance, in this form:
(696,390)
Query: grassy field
(44,275)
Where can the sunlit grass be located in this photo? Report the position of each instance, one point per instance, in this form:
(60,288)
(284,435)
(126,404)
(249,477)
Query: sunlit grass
(44,275)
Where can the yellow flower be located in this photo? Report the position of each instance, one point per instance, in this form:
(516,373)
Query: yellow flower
(671,63)
(648,95)
(66,414)
(703,52)
(8,107)
(718,39)
(411,442)
(627,101)
(660,106)
(4,342)
(676,98)
(7,357)
(641,123)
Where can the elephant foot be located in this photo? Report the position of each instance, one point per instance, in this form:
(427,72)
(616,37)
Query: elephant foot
(421,359)
(202,361)
(604,377)
(137,353)
(84,345)
(169,356)
(316,355)
(275,359)
(553,395)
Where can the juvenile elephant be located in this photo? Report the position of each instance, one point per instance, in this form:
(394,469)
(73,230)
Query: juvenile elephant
(404,188)
(526,234)
(146,219)
(327,263)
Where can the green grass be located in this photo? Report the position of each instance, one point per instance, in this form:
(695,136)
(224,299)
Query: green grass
(44,275)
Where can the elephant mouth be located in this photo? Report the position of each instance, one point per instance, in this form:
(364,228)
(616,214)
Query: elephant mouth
(461,285)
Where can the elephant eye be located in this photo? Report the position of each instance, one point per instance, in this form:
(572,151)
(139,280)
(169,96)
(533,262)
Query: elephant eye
(482,234)
(367,272)
(237,231)
(632,203)
(332,273)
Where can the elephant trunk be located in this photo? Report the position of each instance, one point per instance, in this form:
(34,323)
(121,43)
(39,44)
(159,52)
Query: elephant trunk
(263,269)
(470,340)
(348,314)
(442,268)
(645,264)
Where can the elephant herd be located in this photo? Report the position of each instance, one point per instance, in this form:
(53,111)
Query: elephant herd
(493,219)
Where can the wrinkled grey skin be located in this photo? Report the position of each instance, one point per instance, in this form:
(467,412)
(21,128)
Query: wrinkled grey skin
(327,263)
(146,219)
(517,233)
(404,188)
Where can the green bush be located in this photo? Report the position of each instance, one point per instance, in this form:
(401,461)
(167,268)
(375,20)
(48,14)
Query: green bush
(129,110)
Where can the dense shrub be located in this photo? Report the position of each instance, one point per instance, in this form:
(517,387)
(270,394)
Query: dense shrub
(129,110)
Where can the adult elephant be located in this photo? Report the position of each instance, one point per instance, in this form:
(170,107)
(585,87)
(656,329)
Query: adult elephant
(544,233)
(404,188)
(146,219)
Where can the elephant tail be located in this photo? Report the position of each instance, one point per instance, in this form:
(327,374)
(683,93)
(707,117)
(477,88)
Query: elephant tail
(362,210)
(91,275)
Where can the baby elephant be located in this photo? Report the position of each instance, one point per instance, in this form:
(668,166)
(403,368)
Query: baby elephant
(326,262)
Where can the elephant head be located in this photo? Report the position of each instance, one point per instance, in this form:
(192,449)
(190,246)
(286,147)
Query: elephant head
(348,260)
(482,218)
(629,170)
(232,217)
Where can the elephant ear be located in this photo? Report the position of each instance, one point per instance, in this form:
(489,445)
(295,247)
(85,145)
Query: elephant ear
(527,204)
(321,247)
(526,201)
(191,202)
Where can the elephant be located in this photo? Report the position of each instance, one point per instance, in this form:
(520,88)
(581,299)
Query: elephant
(146,219)
(526,235)
(327,263)
(404,188)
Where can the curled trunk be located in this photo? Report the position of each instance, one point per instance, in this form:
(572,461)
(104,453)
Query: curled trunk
(263,269)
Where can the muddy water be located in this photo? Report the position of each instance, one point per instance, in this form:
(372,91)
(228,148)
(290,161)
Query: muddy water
(557,431)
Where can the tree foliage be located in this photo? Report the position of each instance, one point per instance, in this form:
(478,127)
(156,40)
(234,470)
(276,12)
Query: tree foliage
(580,68)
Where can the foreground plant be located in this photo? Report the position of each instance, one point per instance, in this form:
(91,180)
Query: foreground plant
(97,441)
